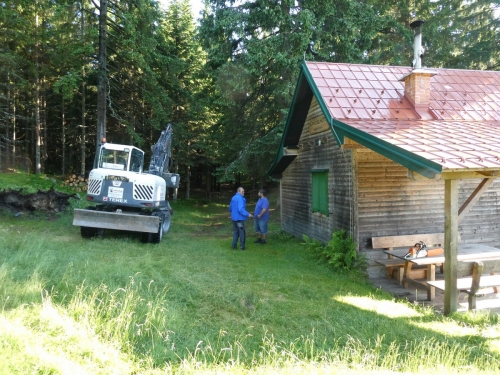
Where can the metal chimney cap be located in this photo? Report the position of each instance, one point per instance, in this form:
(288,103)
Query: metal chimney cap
(416,24)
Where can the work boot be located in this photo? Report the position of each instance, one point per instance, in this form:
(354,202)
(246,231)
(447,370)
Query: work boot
(258,240)
(262,242)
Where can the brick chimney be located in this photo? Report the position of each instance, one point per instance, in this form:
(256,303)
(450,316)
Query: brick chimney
(418,81)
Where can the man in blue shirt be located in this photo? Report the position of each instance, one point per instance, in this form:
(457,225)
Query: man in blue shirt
(239,215)
(261,215)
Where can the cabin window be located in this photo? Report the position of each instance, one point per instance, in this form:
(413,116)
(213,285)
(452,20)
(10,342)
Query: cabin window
(320,191)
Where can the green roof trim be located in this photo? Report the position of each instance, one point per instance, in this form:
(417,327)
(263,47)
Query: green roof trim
(296,118)
(341,130)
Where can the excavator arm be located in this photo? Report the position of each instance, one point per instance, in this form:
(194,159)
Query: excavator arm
(161,158)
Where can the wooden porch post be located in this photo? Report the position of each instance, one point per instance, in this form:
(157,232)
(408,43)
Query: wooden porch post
(450,245)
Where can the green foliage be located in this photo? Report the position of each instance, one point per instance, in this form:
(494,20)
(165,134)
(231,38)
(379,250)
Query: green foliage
(281,236)
(30,183)
(339,253)
(481,318)
(226,84)
(315,248)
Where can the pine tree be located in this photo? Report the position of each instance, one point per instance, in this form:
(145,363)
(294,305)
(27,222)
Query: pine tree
(186,82)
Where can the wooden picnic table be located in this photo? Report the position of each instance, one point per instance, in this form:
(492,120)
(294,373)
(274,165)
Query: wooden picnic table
(465,252)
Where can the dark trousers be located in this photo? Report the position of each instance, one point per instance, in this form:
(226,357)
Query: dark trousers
(239,232)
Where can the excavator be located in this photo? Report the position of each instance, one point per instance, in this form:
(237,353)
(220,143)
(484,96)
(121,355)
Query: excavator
(126,196)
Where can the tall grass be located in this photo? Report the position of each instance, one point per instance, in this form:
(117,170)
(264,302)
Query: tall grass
(192,305)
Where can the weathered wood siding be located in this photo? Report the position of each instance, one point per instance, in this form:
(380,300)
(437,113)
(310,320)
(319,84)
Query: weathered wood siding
(389,204)
(297,215)
(482,223)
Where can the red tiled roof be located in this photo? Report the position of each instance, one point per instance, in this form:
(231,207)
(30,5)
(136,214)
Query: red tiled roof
(465,104)
(453,144)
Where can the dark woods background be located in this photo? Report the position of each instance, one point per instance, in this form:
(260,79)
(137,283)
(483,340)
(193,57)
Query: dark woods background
(225,81)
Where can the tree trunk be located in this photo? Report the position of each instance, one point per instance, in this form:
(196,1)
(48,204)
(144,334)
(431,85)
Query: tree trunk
(83,153)
(82,140)
(285,31)
(37,100)
(14,131)
(176,190)
(262,181)
(7,122)
(7,135)
(44,139)
(188,172)
(43,104)
(208,179)
(63,124)
(188,180)
(101,90)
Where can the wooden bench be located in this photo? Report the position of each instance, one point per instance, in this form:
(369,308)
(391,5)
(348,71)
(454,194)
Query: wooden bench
(397,265)
(475,278)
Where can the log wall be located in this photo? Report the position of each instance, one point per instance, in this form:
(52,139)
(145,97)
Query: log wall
(297,215)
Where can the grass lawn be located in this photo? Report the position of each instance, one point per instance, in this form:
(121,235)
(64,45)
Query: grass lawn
(191,305)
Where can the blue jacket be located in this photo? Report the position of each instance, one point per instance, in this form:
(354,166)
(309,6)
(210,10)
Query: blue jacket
(237,208)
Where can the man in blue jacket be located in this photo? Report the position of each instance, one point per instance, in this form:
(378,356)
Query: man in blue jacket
(239,215)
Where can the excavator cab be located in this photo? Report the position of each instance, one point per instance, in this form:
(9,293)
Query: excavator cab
(122,158)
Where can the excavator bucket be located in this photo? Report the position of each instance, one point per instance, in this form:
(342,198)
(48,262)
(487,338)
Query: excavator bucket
(116,220)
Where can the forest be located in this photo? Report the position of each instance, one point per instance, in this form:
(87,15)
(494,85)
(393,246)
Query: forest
(72,72)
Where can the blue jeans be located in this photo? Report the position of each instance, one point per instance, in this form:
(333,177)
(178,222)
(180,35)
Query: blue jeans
(260,226)
(239,232)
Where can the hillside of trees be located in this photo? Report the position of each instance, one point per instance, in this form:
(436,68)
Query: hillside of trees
(73,71)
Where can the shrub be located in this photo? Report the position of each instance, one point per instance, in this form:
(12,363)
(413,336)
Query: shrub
(283,236)
(315,248)
(339,253)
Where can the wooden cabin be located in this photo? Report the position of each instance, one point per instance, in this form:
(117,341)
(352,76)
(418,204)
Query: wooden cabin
(369,149)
